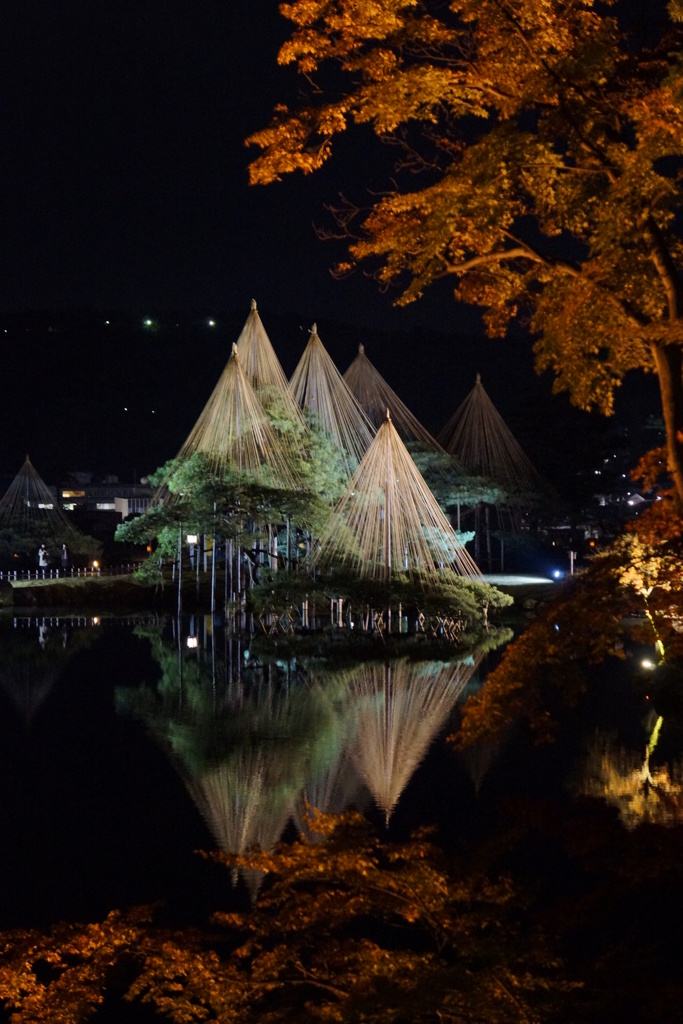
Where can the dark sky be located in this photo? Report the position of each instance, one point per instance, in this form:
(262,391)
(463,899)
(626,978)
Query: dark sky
(124,187)
(125,172)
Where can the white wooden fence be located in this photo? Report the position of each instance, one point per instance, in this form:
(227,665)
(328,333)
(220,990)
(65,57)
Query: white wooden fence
(83,572)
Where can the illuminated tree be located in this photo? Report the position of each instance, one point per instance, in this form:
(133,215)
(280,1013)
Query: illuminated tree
(539,165)
(347,929)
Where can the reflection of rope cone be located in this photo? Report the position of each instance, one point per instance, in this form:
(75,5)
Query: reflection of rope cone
(333,791)
(243,807)
(401,708)
(318,386)
(389,520)
(28,673)
(478,758)
(28,686)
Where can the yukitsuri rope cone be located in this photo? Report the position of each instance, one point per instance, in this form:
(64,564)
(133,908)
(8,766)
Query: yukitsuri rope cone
(389,522)
(30,508)
(375,396)
(402,705)
(235,434)
(478,437)
(262,367)
(318,386)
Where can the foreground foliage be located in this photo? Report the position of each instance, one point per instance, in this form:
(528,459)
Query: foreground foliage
(349,928)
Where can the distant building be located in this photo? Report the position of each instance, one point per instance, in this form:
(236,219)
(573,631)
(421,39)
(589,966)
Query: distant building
(124,499)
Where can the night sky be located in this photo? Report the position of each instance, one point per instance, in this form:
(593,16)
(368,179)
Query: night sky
(125,170)
(125,194)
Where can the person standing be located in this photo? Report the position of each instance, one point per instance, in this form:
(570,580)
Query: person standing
(66,560)
(42,559)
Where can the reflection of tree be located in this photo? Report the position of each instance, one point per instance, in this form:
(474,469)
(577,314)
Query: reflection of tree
(244,739)
(401,707)
(628,781)
(33,659)
(257,743)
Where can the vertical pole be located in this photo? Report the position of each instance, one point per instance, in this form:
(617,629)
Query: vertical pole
(198,557)
(488,535)
(225,577)
(232,581)
(213,576)
(387,518)
(180,570)
(477,518)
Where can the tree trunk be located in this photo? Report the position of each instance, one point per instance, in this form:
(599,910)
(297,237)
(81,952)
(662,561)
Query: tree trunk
(669,363)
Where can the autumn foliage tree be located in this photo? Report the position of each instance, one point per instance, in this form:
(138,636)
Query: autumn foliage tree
(347,928)
(539,162)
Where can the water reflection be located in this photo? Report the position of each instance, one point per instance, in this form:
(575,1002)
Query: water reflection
(257,740)
(35,653)
(641,792)
(399,708)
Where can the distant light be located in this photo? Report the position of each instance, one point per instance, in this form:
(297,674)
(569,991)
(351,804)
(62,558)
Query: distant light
(148,323)
(95,621)
(96,564)
(125,408)
(191,642)
(557,574)
(192,538)
(106,321)
(212,323)
(646,663)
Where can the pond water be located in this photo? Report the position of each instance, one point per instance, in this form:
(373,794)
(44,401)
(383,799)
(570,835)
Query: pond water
(127,745)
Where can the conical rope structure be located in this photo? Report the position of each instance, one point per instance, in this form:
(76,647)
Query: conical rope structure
(402,706)
(375,396)
(318,386)
(477,435)
(30,509)
(389,522)
(236,436)
(262,366)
